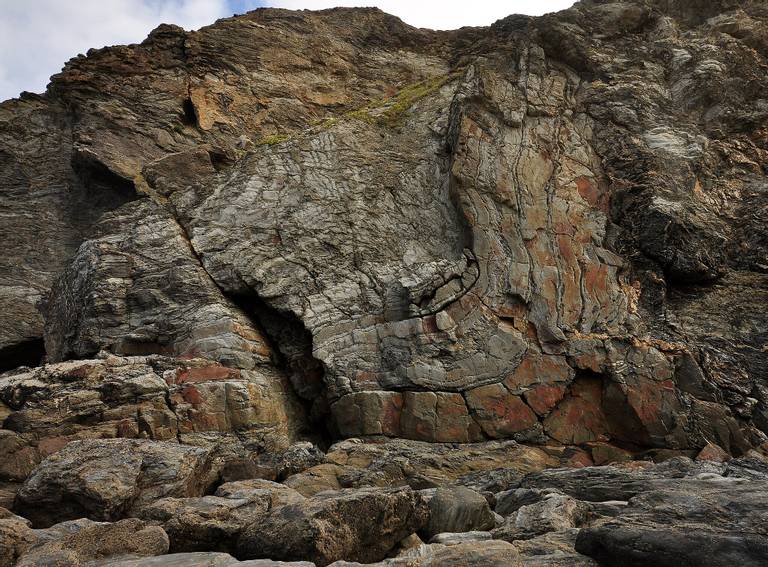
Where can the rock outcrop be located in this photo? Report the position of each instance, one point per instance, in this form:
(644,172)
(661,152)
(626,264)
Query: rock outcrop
(321,286)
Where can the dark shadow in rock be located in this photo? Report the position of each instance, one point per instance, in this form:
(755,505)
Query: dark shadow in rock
(291,345)
(27,353)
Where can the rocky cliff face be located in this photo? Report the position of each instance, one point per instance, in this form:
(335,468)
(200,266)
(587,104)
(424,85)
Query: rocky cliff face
(294,226)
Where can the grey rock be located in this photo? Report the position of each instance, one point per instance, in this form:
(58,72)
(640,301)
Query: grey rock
(214,523)
(361,524)
(456,509)
(597,484)
(553,549)
(108,479)
(454,243)
(700,522)
(451,538)
(554,512)
(491,553)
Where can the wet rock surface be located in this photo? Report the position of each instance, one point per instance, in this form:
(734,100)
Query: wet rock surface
(321,288)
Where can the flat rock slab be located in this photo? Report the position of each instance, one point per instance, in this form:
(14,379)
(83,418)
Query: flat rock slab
(709,523)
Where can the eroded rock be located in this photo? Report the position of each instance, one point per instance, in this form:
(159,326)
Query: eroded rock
(107,479)
(358,525)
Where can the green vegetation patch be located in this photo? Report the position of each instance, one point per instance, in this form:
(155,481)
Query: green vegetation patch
(390,111)
(273,140)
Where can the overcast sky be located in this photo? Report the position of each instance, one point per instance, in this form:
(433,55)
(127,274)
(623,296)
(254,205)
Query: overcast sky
(38,36)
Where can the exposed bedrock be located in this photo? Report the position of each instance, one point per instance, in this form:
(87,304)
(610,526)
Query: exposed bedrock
(325,225)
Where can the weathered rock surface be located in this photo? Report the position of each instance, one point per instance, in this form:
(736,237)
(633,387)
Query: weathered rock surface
(713,522)
(554,512)
(489,233)
(456,509)
(127,537)
(399,462)
(214,522)
(16,537)
(334,251)
(193,400)
(107,479)
(198,560)
(358,525)
(485,553)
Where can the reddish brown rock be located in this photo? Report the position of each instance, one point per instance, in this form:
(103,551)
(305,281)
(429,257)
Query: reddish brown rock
(537,368)
(500,413)
(579,417)
(712,452)
(17,457)
(441,417)
(543,398)
(605,454)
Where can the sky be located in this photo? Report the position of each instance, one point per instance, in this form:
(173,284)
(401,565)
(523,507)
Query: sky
(38,36)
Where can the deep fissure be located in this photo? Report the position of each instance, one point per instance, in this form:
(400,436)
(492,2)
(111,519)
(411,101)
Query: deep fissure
(291,344)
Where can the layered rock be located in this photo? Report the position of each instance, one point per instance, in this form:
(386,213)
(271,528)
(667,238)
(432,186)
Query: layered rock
(489,239)
(485,253)
(195,401)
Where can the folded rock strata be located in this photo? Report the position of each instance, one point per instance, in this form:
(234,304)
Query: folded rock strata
(334,251)
(487,233)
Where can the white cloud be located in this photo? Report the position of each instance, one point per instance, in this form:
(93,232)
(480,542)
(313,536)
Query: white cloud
(440,14)
(38,36)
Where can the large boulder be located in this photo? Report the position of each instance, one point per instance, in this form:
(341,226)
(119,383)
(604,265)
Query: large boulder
(554,512)
(107,479)
(712,522)
(127,537)
(213,523)
(358,525)
(456,509)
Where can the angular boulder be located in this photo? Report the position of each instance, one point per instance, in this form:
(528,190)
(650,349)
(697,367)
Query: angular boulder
(555,512)
(127,537)
(213,523)
(105,479)
(357,525)
(456,509)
